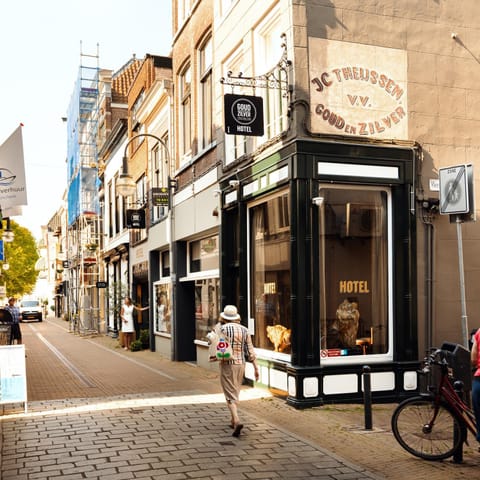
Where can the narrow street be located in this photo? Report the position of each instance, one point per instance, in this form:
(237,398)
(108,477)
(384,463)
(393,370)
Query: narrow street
(97,411)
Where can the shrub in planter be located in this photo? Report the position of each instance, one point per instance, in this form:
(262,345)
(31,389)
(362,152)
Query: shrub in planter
(136,346)
(144,337)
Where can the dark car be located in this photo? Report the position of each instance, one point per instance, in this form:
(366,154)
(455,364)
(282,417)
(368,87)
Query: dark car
(30,310)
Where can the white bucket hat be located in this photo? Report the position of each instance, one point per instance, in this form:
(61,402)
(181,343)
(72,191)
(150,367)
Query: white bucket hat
(230,313)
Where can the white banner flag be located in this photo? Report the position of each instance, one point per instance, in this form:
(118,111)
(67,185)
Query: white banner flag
(13,188)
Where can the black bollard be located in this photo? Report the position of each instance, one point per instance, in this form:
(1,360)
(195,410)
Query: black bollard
(458,454)
(367,397)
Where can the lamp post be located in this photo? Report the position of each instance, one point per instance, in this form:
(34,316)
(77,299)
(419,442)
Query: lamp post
(126,187)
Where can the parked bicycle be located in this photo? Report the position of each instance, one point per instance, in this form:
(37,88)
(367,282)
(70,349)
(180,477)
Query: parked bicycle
(435,424)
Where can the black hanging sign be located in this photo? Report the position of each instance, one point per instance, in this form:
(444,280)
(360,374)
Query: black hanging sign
(160,197)
(243,115)
(135,218)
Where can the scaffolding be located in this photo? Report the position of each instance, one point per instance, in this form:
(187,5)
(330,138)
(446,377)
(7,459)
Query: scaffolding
(83,215)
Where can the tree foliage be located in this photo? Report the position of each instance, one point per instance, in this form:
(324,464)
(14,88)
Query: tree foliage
(21,255)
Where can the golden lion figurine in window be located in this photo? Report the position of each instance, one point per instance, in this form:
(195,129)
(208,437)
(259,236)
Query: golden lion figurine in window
(346,324)
(279,336)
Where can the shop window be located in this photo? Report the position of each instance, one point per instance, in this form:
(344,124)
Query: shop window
(270,273)
(207,304)
(355,278)
(162,292)
(203,255)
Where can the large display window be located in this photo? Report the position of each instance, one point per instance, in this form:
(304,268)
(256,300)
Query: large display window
(162,313)
(269,224)
(355,273)
(207,306)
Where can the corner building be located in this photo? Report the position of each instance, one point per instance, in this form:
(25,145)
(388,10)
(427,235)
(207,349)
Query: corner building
(330,238)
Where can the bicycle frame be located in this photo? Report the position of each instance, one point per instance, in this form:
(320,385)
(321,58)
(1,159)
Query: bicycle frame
(447,392)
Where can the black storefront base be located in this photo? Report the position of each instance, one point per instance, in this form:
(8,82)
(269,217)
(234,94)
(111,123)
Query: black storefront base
(300,399)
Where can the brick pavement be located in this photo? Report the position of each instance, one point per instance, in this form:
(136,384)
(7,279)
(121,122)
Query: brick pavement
(95,411)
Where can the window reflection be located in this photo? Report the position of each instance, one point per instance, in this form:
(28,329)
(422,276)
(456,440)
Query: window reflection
(354,271)
(207,304)
(270,263)
(162,308)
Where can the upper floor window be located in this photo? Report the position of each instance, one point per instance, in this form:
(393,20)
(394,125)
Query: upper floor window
(225,6)
(183,11)
(206,95)
(185,125)
(140,202)
(268,53)
(235,145)
(159,162)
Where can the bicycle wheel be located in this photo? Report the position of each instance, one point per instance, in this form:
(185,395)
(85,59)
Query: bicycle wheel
(412,430)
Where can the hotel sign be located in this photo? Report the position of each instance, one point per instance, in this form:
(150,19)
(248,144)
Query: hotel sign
(243,115)
(358,89)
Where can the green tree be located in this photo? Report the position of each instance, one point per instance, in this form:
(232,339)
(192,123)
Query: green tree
(21,255)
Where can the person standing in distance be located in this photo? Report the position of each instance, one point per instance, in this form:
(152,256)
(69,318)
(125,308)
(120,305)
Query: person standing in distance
(475,356)
(128,326)
(232,371)
(16,333)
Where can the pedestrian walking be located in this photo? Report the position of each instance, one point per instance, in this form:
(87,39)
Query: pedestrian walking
(16,333)
(232,371)
(128,326)
(475,356)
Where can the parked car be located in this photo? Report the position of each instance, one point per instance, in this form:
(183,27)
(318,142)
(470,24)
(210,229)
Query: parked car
(31,310)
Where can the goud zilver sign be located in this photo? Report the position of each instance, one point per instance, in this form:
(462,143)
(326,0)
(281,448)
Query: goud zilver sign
(358,89)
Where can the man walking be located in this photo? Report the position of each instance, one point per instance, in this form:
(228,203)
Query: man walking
(16,333)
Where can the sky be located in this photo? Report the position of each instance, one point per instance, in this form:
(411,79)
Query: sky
(41,42)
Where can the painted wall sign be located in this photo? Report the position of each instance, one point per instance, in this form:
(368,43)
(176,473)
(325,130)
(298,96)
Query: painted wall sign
(358,89)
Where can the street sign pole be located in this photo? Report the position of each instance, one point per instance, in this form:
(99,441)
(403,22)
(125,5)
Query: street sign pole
(462,283)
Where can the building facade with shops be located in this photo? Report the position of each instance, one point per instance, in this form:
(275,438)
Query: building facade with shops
(304,142)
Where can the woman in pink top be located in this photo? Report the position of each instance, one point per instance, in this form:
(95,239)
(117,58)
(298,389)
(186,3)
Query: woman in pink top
(475,355)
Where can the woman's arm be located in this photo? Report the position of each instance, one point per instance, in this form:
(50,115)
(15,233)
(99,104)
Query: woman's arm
(141,308)
(474,353)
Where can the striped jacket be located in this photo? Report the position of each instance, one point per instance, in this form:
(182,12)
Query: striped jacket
(241,342)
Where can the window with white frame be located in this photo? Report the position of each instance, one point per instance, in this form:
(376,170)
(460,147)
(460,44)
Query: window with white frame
(162,291)
(111,209)
(183,10)
(356,275)
(269,227)
(268,52)
(120,211)
(205,97)
(204,255)
(159,167)
(235,145)
(185,102)
(139,202)
(225,6)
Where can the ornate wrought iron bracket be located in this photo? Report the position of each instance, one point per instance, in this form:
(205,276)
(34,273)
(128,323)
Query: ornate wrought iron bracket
(277,77)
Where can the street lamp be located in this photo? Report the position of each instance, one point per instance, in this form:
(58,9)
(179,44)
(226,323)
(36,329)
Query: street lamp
(125,184)
(126,187)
